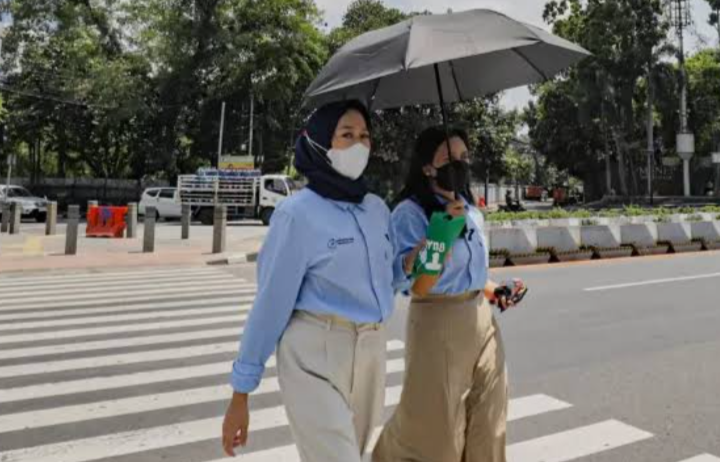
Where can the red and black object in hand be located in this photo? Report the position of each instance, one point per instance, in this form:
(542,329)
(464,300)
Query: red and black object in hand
(509,294)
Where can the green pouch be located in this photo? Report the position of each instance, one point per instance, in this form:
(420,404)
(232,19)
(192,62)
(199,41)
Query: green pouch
(441,235)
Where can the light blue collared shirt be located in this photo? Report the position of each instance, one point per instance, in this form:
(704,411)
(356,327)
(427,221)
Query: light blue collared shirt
(467,268)
(322,256)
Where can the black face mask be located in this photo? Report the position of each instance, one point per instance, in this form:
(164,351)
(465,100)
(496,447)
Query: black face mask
(453,176)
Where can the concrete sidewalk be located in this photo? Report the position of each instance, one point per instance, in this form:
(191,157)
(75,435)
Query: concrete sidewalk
(32,250)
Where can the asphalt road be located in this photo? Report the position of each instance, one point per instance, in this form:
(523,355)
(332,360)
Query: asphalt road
(613,361)
(636,340)
(645,354)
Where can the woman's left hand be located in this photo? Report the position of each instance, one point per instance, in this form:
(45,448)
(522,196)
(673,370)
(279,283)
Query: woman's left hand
(509,294)
(409,260)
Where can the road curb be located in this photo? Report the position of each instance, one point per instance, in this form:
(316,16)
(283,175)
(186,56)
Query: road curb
(235,259)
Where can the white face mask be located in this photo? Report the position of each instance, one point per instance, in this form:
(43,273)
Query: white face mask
(351,162)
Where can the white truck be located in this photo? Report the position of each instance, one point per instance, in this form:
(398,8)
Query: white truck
(247,193)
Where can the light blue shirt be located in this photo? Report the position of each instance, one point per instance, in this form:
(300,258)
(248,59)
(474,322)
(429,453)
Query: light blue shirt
(321,256)
(467,268)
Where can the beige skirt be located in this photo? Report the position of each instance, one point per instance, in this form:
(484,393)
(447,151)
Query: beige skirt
(453,406)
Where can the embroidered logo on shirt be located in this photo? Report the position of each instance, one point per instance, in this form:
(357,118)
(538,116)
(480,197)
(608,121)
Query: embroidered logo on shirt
(333,243)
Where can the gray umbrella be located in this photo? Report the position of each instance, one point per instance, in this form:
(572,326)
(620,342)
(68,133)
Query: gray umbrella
(441,58)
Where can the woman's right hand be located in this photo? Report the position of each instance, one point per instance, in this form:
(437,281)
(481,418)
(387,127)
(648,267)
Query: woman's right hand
(236,423)
(456,209)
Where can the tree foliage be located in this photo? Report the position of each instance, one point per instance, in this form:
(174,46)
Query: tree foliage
(134,88)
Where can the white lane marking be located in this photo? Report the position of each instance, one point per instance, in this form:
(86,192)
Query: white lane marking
(116,343)
(121,309)
(118,360)
(124,406)
(94,384)
(95,286)
(66,334)
(135,358)
(136,441)
(8,281)
(120,293)
(653,282)
(134,379)
(123,299)
(703,458)
(576,443)
(122,317)
(529,406)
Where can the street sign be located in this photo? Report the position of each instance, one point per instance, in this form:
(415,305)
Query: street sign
(716,157)
(237,162)
(685,145)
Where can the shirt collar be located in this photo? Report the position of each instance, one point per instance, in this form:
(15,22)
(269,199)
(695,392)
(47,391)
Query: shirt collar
(444,201)
(349,206)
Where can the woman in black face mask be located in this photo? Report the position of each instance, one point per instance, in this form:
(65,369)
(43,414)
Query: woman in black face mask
(454,401)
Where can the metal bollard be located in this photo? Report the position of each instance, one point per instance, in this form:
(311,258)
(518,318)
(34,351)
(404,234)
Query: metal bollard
(149,234)
(186,216)
(5,217)
(132,221)
(15,218)
(71,234)
(219,229)
(51,221)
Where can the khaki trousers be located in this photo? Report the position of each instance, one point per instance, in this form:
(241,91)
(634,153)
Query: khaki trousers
(453,406)
(332,381)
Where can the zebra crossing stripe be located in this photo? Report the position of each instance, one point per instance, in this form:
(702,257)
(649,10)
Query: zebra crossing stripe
(529,406)
(69,334)
(18,281)
(92,384)
(124,317)
(124,406)
(118,293)
(124,298)
(119,359)
(576,443)
(57,288)
(170,306)
(519,408)
(153,340)
(703,458)
(137,441)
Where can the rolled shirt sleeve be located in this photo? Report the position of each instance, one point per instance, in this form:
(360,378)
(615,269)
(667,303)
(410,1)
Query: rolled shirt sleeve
(282,264)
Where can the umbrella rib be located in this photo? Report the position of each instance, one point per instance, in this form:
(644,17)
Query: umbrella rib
(455,79)
(535,68)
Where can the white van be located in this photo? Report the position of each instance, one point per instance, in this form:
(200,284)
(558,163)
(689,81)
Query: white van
(165,201)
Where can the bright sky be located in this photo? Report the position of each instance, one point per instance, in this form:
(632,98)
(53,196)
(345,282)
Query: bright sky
(524,10)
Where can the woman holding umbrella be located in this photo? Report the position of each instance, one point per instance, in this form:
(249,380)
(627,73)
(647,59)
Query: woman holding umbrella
(324,290)
(454,402)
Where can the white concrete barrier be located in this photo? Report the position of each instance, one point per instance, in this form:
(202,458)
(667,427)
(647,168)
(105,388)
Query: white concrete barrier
(707,230)
(639,234)
(565,221)
(676,233)
(560,238)
(601,236)
(514,240)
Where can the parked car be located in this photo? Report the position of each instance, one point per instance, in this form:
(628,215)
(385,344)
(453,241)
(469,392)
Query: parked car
(32,206)
(165,201)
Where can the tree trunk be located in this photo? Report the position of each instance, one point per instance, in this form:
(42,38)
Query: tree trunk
(621,146)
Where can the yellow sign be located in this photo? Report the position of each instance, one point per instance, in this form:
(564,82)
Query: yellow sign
(237,163)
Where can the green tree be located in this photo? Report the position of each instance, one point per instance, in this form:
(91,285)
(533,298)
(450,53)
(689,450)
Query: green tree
(363,16)
(624,36)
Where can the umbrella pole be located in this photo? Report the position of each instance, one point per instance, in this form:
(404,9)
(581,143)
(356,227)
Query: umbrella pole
(443,111)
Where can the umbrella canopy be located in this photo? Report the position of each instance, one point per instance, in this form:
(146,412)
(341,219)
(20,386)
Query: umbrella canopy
(441,58)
